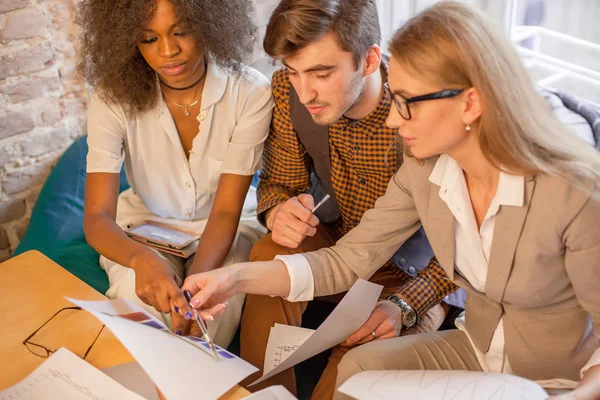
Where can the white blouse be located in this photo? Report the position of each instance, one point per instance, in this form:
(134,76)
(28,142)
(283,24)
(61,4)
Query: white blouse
(235,114)
(472,248)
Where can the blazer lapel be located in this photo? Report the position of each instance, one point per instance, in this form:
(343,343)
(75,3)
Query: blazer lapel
(507,232)
(441,237)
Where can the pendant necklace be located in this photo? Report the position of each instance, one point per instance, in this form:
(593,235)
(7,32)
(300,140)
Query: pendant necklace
(185,106)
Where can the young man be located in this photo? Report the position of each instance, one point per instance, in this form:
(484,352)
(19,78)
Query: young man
(329,125)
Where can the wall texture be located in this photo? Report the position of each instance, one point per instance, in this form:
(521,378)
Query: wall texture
(42,104)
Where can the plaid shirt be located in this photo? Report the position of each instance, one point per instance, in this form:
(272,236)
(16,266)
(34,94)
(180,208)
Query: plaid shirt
(364,155)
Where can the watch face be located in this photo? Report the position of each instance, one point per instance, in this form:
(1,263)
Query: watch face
(410,318)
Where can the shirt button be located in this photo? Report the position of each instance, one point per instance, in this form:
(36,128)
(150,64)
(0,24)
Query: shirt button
(412,270)
(402,261)
(355,222)
(188,184)
(188,215)
(201,117)
(362,181)
(356,148)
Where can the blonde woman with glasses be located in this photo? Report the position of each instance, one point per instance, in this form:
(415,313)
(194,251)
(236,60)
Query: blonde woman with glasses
(510,203)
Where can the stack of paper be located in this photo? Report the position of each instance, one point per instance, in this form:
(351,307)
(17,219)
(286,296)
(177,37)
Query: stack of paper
(66,376)
(181,367)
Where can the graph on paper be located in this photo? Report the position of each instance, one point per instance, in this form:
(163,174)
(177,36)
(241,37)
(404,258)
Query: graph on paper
(284,340)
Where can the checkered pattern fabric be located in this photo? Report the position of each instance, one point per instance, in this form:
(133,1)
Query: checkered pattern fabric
(286,164)
(428,289)
(364,155)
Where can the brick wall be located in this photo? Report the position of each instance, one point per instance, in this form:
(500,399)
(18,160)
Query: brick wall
(42,104)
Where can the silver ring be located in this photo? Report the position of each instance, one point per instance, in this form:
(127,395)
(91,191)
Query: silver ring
(374,335)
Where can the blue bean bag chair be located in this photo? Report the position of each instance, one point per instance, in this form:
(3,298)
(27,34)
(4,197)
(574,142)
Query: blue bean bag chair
(56,225)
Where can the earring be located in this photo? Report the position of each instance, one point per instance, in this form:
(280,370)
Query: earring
(468,128)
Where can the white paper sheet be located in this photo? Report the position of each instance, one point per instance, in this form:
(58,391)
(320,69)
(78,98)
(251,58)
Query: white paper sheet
(66,376)
(181,367)
(283,341)
(272,393)
(348,316)
(440,385)
(133,377)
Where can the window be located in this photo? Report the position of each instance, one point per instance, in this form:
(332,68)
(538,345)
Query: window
(559,41)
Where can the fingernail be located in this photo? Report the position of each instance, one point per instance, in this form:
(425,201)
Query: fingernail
(209,318)
(178,333)
(188,315)
(194,303)
(176,309)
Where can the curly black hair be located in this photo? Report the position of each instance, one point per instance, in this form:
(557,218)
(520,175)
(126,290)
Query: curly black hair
(110,60)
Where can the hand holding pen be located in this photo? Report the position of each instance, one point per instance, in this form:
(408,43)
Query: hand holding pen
(319,204)
(202,326)
(292,221)
(218,285)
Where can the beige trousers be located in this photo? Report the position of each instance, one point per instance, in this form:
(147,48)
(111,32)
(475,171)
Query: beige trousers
(223,328)
(445,350)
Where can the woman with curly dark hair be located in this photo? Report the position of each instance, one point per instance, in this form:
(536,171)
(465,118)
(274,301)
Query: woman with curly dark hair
(174,102)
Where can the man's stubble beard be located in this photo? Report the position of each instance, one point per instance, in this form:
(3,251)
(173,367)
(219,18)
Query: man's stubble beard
(353,93)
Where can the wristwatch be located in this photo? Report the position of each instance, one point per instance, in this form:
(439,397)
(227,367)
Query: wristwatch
(409,316)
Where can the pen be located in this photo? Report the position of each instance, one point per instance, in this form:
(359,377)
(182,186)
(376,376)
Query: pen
(319,204)
(202,326)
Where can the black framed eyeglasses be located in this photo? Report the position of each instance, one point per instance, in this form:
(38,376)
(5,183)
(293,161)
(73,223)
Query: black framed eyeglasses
(41,350)
(402,103)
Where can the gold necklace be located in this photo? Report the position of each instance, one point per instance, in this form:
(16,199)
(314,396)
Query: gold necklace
(185,106)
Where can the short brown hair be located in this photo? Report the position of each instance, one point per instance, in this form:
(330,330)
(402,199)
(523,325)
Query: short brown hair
(295,24)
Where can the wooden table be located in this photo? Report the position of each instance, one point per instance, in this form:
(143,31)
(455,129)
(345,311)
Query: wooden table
(32,289)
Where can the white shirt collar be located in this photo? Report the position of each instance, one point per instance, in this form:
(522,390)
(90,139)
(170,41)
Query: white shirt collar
(510,192)
(215,85)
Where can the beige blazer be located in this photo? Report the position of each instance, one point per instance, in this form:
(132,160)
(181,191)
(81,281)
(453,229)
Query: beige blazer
(544,269)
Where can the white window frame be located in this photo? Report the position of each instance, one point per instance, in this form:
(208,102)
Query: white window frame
(560,69)
(392,12)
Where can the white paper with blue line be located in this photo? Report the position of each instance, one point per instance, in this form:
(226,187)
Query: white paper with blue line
(181,367)
(440,385)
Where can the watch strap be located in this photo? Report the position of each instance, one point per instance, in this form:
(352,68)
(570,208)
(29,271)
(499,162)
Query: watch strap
(409,316)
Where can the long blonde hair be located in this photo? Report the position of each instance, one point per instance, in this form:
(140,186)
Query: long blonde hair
(451,45)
